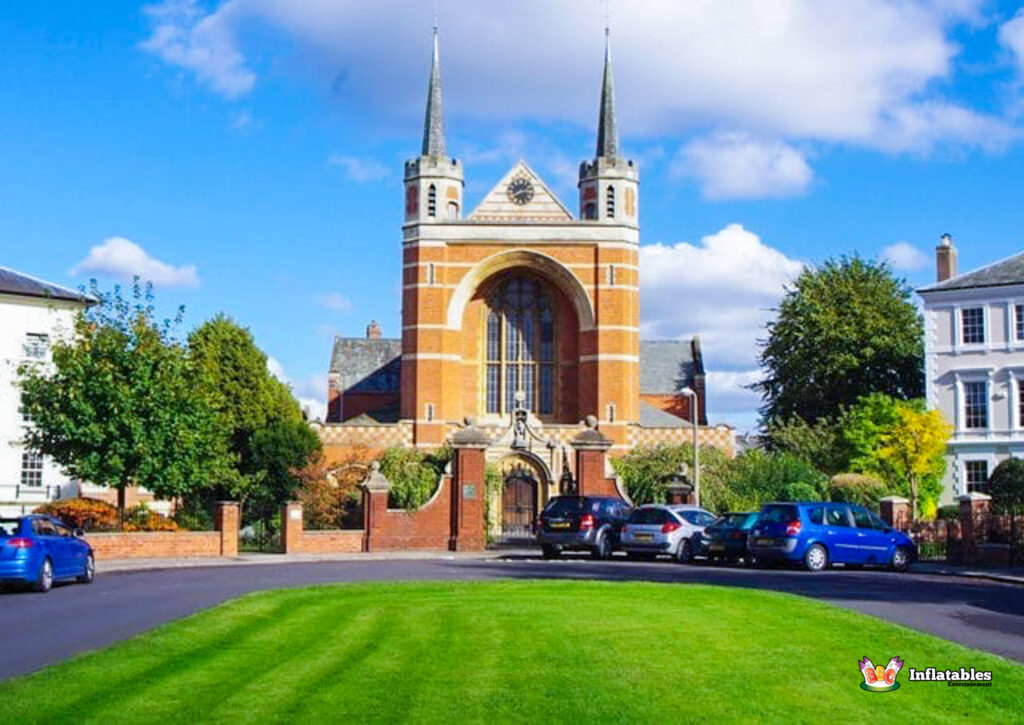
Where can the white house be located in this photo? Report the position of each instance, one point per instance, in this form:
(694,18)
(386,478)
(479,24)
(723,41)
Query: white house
(974,364)
(33,313)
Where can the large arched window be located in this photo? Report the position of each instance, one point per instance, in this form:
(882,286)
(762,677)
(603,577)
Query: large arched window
(520,347)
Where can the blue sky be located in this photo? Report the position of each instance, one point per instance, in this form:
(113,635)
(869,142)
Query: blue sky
(247,154)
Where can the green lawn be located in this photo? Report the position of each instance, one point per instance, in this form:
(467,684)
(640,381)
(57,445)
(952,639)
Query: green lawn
(513,651)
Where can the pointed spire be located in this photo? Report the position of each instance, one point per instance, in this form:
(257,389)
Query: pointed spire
(433,124)
(607,133)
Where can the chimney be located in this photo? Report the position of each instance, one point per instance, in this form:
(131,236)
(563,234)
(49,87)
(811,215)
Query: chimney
(373,330)
(945,259)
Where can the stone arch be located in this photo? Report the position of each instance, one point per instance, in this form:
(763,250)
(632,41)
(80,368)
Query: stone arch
(541,264)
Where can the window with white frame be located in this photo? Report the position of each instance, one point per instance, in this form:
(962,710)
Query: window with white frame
(972,325)
(1018,323)
(31,469)
(36,346)
(1020,405)
(975,476)
(975,404)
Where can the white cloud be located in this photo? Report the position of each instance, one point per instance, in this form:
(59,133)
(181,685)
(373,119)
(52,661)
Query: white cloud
(120,257)
(723,289)
(360,170)
(184,35)
(905,257)
(736,166)
(823,70)
(334,301)
(309,392)
(1011,37)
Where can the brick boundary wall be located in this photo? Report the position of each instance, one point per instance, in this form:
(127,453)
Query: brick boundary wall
(173,544)
(296,540)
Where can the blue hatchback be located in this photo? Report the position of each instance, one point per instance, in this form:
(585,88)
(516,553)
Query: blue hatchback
(819,534)
(39,550)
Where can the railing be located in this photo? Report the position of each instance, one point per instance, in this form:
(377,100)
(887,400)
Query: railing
(18,493)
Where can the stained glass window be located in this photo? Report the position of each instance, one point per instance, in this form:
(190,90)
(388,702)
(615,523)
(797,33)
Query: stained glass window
(520,347)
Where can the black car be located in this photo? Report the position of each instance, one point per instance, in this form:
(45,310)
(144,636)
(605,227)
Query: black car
(581,523)
(727,537)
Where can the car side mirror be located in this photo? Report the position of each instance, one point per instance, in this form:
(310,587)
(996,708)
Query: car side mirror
(79,534)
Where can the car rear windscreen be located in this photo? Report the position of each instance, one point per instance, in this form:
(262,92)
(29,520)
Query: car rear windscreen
(8,527)
(565,506)
(649,516)
(779,514)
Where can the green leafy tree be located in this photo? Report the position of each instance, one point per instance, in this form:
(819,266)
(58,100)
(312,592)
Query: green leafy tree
(820,443)
(268,437)
(645,471)
(759,476)
(1006,487)
(123,403)
(914,448)
(844,329)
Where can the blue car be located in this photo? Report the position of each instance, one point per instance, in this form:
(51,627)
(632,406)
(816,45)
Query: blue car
(39,550)
(820,534)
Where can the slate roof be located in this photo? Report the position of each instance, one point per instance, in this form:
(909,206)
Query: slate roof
(16,283)
(668,365)
(367,365)
(998,274)
(651,417)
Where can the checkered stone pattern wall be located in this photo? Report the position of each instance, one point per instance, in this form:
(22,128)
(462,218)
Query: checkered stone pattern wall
(719,436)
(371,436)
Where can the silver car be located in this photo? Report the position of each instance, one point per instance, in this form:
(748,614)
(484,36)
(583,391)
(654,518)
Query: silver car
(657,529)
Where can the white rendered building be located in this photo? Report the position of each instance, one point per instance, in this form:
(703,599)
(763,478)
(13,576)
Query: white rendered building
(33,313)
(974,364)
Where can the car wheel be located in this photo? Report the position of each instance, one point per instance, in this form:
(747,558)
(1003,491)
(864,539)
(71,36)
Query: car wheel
(816,558)
(603,549)
(684,552)
(550,551)
(900,559)
(89,572)
(45,580)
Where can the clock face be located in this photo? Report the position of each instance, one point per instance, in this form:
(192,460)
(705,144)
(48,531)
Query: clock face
(520,190)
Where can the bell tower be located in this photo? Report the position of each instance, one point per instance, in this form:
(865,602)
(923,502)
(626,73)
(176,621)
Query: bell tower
(433,181)
(608,185)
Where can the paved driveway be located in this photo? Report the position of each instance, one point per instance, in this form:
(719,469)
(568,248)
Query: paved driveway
(38,630)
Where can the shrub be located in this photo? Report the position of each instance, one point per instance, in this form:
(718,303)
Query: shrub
(83,513)
(857,488)
(329,492)
(140,518)
(758,477)
(1006,486)
(193,519)
(413,475)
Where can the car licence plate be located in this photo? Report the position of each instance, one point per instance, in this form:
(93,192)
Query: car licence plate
(764,542)
(643,537)
(558,525)
(716,546)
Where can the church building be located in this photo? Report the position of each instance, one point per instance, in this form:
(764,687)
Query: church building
(522,317)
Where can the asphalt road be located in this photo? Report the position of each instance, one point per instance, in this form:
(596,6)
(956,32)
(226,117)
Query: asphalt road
(38,630)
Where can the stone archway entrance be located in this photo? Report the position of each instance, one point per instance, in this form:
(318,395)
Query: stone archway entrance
(523,493)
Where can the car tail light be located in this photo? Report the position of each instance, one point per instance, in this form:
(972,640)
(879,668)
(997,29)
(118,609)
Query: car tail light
(669,527)
(793,528)
(540,522)
(21,543)
(586,522)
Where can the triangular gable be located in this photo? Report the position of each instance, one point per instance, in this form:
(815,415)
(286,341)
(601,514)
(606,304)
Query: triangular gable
(498,207)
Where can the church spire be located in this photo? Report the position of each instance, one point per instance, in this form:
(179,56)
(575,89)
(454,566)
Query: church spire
(433,124)
(607,133)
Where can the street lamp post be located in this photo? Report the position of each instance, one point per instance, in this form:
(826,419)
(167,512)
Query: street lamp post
(692,395)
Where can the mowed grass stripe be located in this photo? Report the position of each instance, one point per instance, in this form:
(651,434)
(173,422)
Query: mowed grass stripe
(513,652)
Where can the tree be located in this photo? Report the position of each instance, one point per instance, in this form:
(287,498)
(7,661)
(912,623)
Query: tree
(845,329)
(123,404)
(267,434)
(1006,487)
(821,443)
(914,447)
